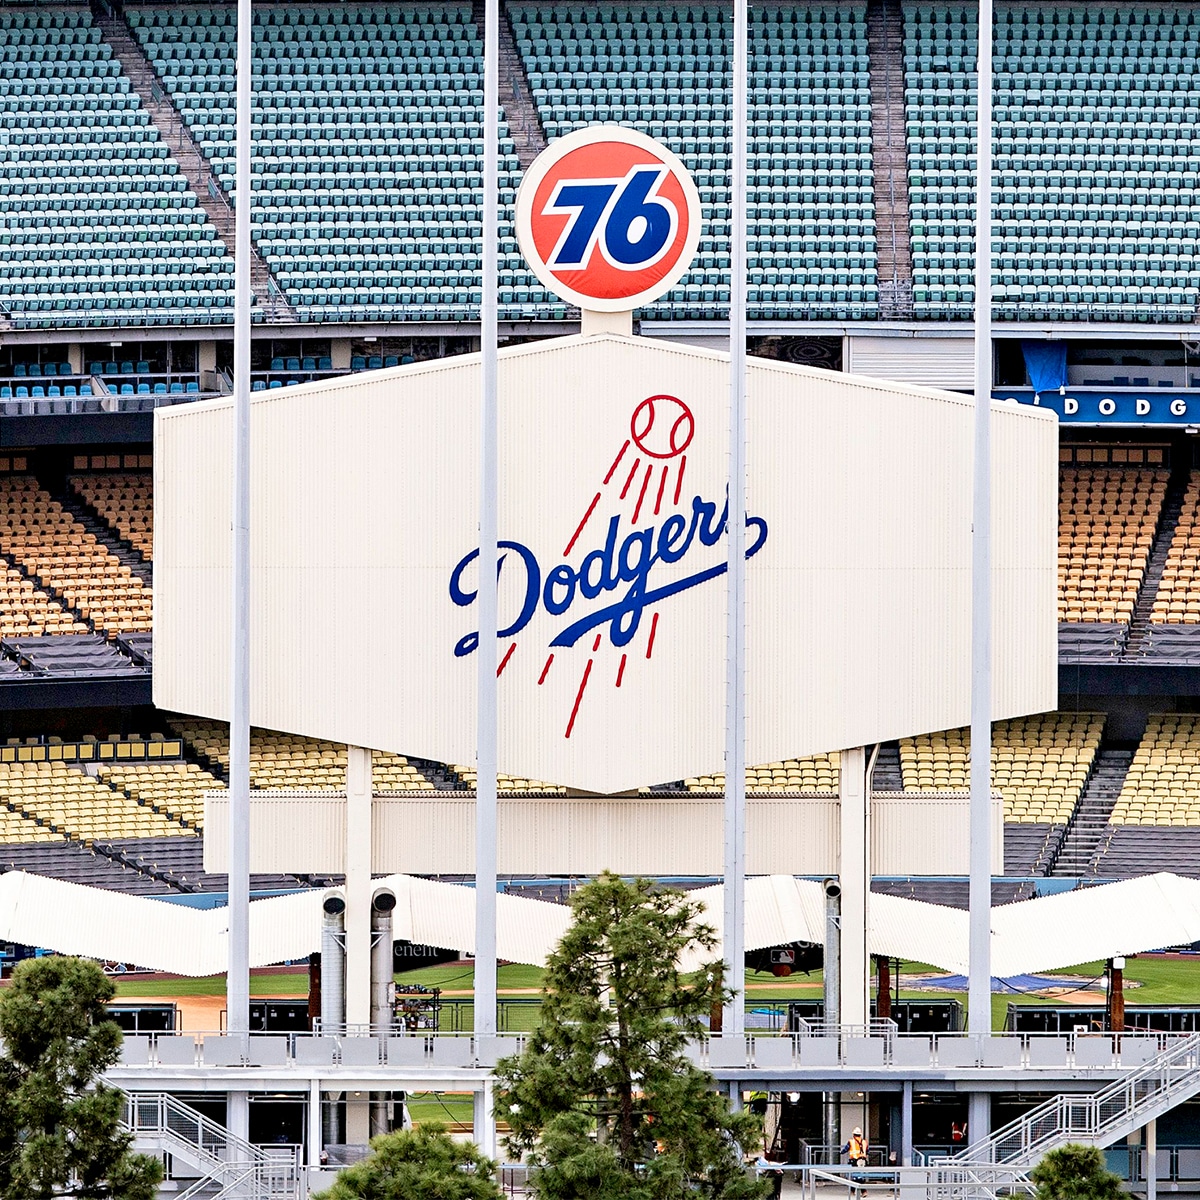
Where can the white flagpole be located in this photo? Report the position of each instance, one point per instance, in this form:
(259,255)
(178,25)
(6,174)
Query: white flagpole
(486,716)
(735,703)
(979,987)
(237,981)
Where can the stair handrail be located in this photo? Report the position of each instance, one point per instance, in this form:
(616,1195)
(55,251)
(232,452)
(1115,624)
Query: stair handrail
(172,1116)
(1084,1116)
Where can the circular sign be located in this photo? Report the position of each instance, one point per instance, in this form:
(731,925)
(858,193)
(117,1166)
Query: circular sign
(608,218)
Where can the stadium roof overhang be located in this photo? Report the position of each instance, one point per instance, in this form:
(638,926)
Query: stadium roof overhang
(1092,923)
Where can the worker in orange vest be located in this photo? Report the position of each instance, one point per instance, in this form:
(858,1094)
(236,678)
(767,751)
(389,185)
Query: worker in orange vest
(855,1149)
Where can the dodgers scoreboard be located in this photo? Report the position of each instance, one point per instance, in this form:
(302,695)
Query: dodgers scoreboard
(613,519)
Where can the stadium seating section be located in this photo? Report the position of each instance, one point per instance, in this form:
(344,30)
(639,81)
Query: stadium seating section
(1107,520)
(98,224)
(125,501)
(811,217)
(39,537)
(816,774)
(1039,764)
(369,120)
(1177,600)
(76,805)
(1162,786)
(1095,113)
(26,610)
(175,789)
(280,760)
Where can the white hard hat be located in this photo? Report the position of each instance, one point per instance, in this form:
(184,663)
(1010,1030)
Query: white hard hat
(857,1132)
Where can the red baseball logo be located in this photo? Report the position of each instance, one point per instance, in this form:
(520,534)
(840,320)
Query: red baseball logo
(662,426)
(608,218)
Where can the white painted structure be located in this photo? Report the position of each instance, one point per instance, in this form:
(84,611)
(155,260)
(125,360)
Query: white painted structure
(364,503)
(426,833)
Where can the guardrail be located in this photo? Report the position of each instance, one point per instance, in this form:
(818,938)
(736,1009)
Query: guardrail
(1101,1118)
(370,1047)
(929,1182)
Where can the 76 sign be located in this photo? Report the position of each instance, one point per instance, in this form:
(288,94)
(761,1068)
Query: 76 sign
(608,218)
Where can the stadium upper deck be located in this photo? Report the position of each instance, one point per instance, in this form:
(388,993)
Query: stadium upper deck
(368,157)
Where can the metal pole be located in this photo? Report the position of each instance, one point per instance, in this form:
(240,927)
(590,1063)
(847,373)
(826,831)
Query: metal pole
(485,788)
(980,991)
(237,982)
(735,702)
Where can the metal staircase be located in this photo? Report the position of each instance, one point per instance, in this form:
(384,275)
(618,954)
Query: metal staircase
(1099,1119)
(227,1165)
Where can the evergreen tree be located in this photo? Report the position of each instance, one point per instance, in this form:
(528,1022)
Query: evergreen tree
(418,1164)
(1075,1172)
(604,1100)
(60,1128)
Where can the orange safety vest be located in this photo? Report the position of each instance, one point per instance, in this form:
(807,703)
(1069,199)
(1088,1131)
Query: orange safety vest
(857,1148)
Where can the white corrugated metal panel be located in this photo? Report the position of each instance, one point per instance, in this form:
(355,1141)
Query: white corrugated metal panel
(944,362)
(364,505)
(918,932)
(1095,923)
(433,833)
(304,829)
(70,918)
(925,833)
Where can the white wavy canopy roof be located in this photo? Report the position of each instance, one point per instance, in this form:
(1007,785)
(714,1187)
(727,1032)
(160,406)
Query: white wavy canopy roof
(1035,935)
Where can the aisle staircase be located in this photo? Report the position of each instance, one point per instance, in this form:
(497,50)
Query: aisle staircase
(889,154)
(191,159)
(1076,852)
(1101,1118)
(225,1164)
(1139,625)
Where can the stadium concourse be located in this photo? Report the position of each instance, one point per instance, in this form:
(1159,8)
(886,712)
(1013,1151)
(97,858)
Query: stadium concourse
(116,296)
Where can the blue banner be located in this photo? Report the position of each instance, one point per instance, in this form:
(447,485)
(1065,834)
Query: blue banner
(1120,406)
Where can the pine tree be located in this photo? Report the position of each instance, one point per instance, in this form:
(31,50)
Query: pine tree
(60,1128)
(419,1164)
(604,1100)
(1075,1172)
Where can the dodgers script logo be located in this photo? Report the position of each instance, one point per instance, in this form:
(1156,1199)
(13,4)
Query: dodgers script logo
(608,218)
(607,585)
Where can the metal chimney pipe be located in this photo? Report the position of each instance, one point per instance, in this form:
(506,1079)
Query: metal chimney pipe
(382,992)
(333,994)
(833,952)
(333,962)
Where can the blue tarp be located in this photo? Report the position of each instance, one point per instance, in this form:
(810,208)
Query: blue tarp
(1046,363)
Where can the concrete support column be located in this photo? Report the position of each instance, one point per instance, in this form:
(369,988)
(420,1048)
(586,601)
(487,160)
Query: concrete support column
(979,1117)
(206,356)
(358,1118)
(1150,1160)
(855,877)
(237,1115)
(75,357)
(906,1125)
(339,353)
(485,1119)
(313,1157)
(358,886)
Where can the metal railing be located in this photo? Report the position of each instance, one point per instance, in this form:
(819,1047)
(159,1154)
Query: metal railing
(1099,1119)
(938,1182)
(239,1167)
(816,1047)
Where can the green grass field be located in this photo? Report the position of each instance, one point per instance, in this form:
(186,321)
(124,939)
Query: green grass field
(1150,979)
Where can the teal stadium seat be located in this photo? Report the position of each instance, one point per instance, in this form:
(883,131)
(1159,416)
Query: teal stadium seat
(809,158)
(1096,111)
(88,192)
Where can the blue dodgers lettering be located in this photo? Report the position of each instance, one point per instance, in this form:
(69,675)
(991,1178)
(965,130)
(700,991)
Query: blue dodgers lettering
(606,570)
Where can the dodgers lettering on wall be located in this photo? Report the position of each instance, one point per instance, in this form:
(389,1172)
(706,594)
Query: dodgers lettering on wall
(607,592)
(608,218)
(1125,407)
